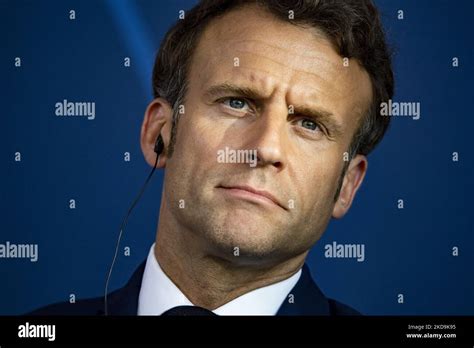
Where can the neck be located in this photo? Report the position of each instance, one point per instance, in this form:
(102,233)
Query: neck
(206,280)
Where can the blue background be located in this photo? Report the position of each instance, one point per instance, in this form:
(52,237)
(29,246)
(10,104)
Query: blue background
(408,251)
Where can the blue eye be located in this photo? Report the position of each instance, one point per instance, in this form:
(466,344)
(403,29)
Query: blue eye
(235,103)
(309,124)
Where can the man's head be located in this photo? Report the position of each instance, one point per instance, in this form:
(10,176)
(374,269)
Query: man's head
(300,83)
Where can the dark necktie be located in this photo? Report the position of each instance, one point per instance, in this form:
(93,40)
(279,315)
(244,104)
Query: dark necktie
(189,311)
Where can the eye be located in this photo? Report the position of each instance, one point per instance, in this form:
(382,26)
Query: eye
(236,103)
(309,124)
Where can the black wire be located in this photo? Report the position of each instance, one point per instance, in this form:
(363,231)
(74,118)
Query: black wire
(122,226)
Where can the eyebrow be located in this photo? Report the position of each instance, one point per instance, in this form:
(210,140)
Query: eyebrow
(322,116)
(319,115)
(229,88)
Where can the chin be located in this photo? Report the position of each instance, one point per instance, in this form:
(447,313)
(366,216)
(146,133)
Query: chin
(255,242)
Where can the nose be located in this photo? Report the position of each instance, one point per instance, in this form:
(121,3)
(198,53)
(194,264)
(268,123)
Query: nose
(268,135)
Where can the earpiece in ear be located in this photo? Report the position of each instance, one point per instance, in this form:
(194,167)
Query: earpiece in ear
(159,145)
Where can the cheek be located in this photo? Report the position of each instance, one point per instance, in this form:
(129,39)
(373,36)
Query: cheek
(197,143)
(316,186)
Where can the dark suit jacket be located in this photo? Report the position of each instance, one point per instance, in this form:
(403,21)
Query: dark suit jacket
(308,300)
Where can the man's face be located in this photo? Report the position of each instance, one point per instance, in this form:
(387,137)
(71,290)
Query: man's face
(258,83)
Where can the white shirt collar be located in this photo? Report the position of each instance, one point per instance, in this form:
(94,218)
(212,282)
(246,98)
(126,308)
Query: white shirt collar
(158,294)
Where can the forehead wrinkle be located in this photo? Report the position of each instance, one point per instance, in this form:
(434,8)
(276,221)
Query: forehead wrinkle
(288,57)
(301,48)
(286,71)
(318,70)
(285,75)
(282,56)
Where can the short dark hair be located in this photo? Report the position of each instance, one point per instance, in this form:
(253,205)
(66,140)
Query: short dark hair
(353,27)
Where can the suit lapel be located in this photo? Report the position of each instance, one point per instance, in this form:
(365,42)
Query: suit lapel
(307,298)
(124,301)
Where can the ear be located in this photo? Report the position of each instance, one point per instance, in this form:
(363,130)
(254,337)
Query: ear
(352,180)
(157,121)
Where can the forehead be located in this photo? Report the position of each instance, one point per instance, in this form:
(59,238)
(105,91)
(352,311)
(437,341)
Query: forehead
(251,46)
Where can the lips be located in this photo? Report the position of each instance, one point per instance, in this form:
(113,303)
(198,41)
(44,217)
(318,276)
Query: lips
(253,192)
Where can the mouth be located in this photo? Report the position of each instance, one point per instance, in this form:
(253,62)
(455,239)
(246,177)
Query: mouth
(252,194)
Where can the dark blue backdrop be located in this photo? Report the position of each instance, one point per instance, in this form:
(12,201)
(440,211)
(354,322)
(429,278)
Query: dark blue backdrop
(407,251)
